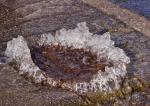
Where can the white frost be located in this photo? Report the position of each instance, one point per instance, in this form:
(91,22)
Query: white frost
(80,37)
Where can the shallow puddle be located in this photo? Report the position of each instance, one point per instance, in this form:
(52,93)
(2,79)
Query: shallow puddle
(67,64)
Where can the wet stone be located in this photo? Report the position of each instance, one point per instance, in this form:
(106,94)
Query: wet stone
(67,64)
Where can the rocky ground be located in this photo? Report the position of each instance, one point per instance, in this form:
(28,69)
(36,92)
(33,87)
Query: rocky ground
(30,18)
(141,7)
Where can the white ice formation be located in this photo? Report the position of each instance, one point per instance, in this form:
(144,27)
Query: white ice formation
(80,37)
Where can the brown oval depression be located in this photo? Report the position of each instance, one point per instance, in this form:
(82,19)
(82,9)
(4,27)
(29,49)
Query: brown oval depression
(66,64)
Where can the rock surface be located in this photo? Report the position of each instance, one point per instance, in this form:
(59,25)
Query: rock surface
(15,21)
(142,7)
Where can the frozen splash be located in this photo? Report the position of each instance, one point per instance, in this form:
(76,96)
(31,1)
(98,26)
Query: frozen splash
(80,37)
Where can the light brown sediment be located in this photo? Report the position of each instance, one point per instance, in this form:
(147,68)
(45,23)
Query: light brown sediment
(131,19)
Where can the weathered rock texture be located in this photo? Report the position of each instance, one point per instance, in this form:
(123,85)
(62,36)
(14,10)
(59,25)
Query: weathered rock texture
(15,90)
(135,21)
